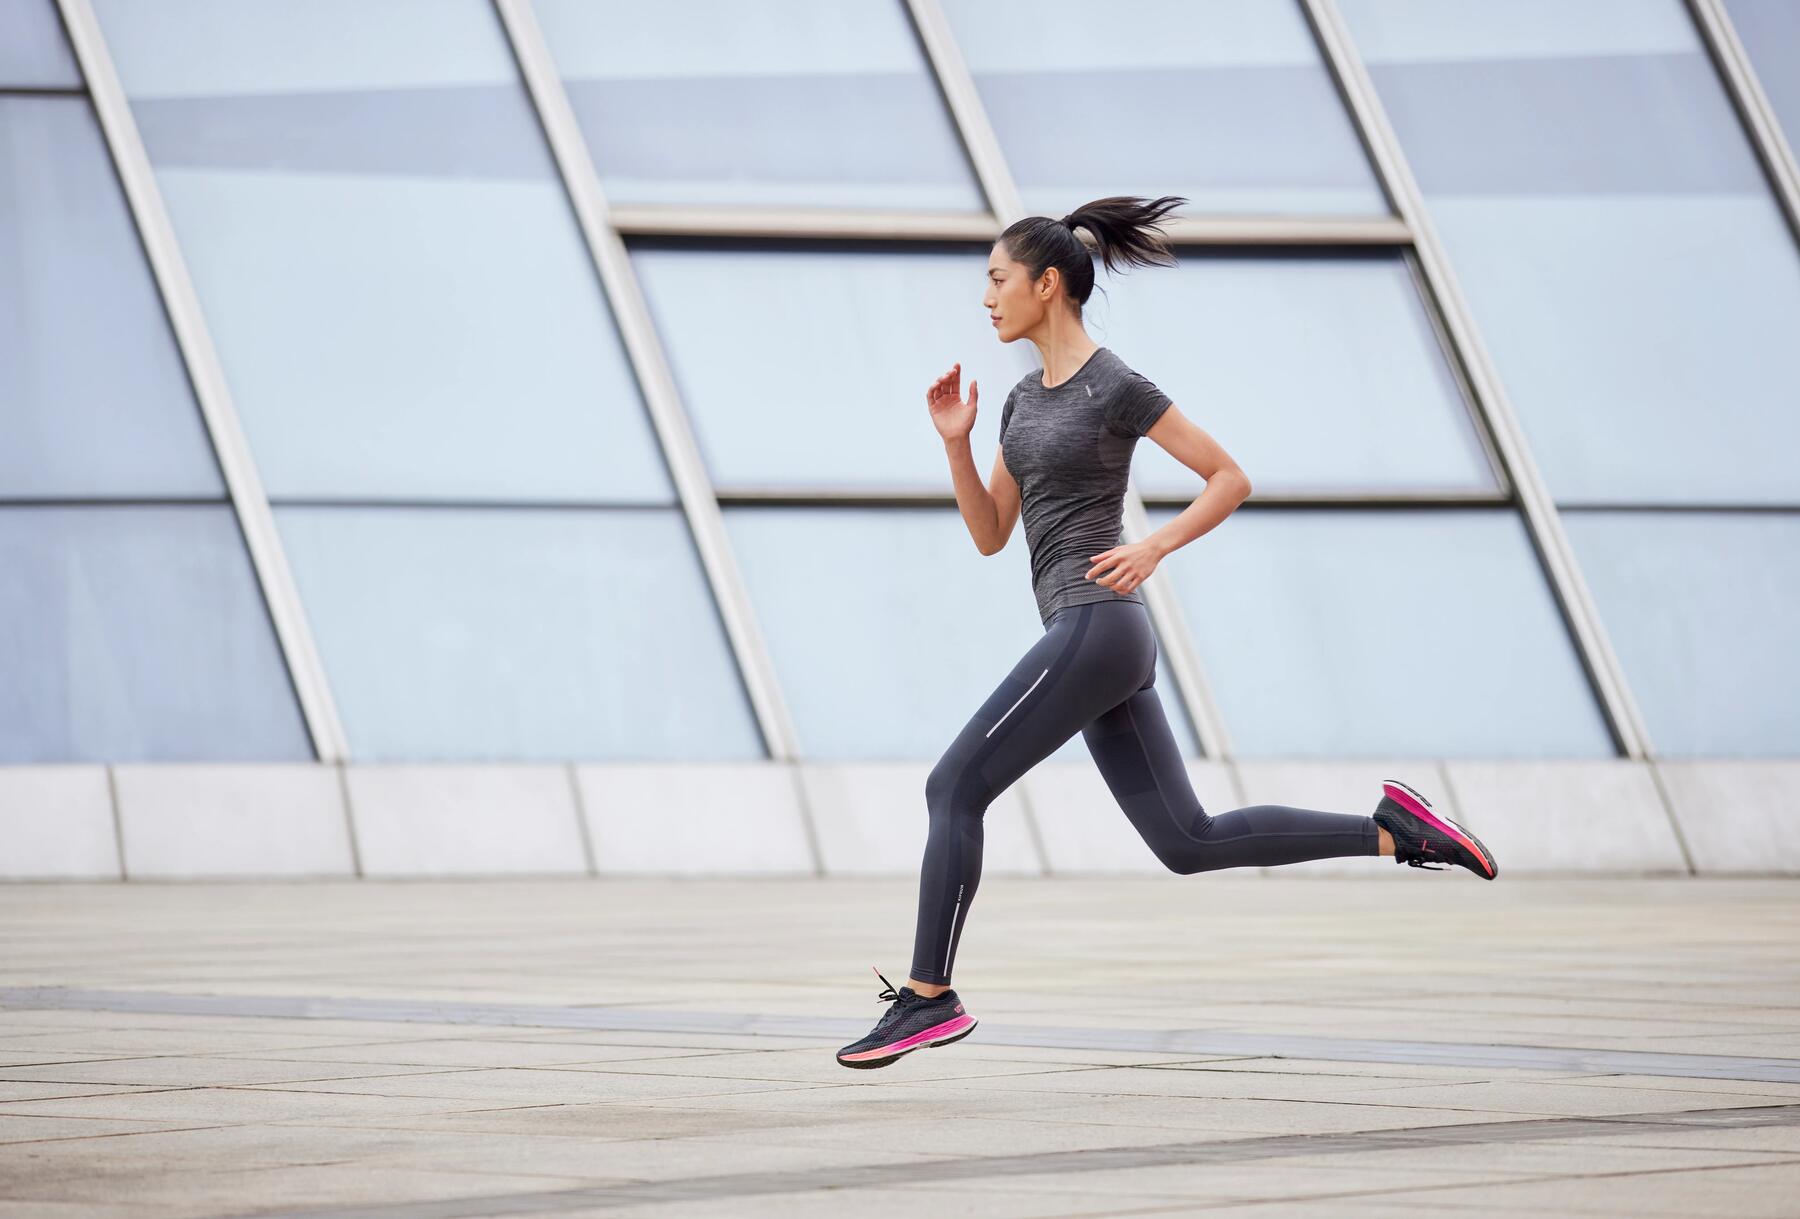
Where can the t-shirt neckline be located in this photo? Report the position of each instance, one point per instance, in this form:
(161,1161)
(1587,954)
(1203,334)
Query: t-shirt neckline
(1050,389)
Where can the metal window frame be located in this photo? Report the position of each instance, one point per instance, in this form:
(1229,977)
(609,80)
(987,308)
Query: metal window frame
(682,220)
(218,411)
(43,90)
(1542,521)
(864,496)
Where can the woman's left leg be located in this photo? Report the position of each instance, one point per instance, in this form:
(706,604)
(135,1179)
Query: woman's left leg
(1137,755)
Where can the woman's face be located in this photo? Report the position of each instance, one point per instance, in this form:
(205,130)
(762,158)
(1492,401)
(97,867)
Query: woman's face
(1015,304)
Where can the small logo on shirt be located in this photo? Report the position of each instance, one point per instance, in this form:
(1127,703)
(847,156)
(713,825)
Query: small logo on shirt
(1090,390)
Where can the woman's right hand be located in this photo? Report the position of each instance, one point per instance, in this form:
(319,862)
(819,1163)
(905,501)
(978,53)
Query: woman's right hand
(952,417)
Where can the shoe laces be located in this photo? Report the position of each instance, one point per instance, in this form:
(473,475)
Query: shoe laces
(899,1001)
(1418,854)
(890,993)
(1410,850)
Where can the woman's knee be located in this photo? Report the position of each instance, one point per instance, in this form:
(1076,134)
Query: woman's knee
(1189,859)
(947,793)
(1190,853)
(940,784)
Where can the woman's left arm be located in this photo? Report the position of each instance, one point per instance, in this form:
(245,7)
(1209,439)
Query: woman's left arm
(1226,487)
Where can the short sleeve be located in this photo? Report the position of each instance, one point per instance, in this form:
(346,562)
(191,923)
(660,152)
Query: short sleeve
(1006,411)
(1137,405)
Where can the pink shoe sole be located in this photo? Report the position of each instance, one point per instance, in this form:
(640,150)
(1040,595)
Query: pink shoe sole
(954,1029)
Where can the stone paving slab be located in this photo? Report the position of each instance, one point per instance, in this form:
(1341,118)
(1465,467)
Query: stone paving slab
(221,1190)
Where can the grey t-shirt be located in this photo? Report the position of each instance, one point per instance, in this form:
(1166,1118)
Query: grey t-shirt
(1069,448)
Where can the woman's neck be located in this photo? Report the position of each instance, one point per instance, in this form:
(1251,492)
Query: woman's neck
(1064,355)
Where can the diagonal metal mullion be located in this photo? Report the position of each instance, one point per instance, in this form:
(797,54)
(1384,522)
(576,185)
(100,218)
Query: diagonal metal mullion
(1542,520)
(249,501)
(649,362)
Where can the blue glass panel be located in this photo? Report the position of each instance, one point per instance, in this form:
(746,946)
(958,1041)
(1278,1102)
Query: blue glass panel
(33,51)
(132,634)
(1225,102)
(1382,633)
(518,635)
(1770,33)
(1315,374)
(1700,609)
(819,381)
(94,400)
(803,103)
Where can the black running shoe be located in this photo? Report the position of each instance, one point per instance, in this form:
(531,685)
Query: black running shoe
(911,1022)
(1426,839)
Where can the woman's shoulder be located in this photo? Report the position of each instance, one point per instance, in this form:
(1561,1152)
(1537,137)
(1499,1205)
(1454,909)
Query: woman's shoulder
(1112,362)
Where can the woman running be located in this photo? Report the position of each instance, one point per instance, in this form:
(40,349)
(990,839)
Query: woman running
(1066,440)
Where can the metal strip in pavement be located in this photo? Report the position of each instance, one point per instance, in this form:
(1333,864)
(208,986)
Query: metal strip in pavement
(1199,1042)
(1226,1151)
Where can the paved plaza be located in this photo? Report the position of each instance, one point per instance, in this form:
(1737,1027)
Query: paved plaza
(1401,1044)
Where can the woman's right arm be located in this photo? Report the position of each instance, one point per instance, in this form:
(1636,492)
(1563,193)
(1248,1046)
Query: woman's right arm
(989,513)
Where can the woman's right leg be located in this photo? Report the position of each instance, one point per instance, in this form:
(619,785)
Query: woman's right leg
(1142,764)
(1089,657)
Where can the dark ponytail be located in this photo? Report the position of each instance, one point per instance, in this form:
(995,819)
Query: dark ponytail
(1125,229)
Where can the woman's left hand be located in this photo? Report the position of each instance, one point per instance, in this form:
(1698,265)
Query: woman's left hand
(1130,564)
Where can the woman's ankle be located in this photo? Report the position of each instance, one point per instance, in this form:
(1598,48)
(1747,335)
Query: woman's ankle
(929,990)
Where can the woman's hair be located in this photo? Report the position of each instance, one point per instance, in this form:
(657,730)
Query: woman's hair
(1125,229)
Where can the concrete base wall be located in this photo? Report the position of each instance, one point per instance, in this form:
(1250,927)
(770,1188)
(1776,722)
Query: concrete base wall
(209,821)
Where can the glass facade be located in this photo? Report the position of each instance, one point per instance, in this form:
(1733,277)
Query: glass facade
(1319,375)
(877,327)
(438,375)
(1084,100)
(783,103)
(439,333)
(1605,213)
(1770,32)
(97,400)
(132,625)
(137,634)
(518,634)
(1382,633)
(1700,606)
(513,538)
(1639,287)
(33,52)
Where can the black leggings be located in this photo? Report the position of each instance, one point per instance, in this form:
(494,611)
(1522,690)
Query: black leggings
(1092,673)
